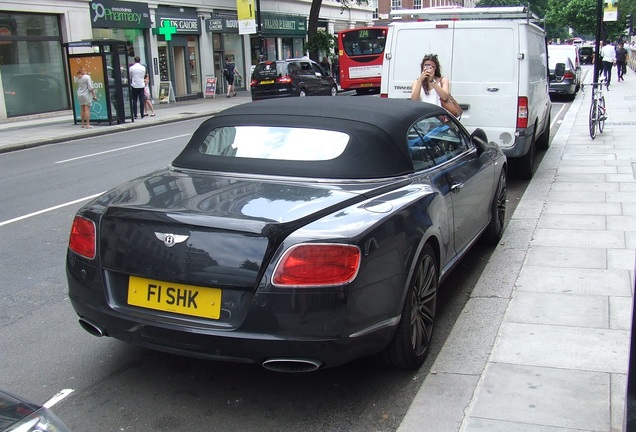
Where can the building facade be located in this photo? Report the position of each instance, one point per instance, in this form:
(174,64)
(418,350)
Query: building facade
(182,43)
(384,7)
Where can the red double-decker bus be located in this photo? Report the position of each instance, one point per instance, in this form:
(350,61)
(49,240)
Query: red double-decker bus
(360,52)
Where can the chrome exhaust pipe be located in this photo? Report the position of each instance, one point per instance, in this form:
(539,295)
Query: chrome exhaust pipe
(91,327)
(291,365)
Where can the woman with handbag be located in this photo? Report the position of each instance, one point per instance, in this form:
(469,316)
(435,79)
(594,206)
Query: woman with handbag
(432,87)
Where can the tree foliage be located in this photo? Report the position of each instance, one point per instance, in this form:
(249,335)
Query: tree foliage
(314,14)
(566,18)
(321,41)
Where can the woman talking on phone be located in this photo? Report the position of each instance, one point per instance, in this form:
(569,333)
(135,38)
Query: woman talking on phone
(430,86)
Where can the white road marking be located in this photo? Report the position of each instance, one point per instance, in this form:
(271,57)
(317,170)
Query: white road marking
(57,398)
(121,148)
(46,210)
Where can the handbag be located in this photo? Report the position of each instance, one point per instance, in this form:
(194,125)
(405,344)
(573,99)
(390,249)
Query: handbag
(451,105)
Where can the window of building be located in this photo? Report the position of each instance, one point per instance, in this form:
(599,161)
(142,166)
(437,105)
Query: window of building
(31,64)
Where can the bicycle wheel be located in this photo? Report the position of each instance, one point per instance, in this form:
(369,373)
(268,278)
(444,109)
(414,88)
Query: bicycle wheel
(592,119)
(602,114)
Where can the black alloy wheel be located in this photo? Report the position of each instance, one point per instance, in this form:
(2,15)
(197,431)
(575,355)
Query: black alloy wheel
(412,339)
(497,212)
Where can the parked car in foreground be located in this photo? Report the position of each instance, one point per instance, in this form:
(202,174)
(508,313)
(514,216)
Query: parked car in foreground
(294,234)
(18,415)
(293,77)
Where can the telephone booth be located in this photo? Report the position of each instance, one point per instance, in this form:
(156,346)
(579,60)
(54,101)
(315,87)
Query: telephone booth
(106,61)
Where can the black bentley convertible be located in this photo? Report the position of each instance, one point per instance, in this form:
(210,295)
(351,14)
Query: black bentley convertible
(297,234)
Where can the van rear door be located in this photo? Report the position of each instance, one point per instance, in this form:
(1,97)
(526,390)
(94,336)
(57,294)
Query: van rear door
(485,77)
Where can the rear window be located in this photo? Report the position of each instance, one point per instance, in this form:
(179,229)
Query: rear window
(274,143)
(270,70)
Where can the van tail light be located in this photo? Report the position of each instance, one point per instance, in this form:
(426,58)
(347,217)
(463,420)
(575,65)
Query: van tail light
(82,240)
(384,95)
(285,79)
(522,113)
(317,264)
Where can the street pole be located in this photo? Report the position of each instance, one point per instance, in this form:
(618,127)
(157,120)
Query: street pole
(599,23)
(259,29)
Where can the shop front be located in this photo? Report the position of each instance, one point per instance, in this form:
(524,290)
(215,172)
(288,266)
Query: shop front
(227,43)
(178,31)
(283,37)
(31,65)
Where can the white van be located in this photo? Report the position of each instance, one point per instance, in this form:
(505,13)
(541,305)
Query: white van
(497,66)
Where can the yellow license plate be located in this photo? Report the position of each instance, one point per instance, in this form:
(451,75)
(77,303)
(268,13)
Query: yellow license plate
(366,85)
(173,297)
(266,82)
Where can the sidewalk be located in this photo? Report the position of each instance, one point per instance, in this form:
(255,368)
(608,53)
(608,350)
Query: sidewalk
(543,342)
(49,128)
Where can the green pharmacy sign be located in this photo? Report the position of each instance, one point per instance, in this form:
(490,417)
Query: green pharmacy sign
(119,14)
(166,29)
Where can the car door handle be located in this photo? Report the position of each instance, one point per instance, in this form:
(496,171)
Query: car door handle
(456,187)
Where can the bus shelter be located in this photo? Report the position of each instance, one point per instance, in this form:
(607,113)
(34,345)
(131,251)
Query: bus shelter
(106,61)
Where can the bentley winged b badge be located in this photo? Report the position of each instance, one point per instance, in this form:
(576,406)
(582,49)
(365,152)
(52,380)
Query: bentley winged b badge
(171,239)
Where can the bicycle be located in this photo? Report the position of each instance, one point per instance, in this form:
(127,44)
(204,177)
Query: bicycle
(598,113)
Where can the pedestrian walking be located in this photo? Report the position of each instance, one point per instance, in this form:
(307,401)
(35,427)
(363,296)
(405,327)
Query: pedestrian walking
(621,61)
(229,72)
(137,73)
(608,54)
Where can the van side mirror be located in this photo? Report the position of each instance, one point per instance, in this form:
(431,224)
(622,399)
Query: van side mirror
(559,71)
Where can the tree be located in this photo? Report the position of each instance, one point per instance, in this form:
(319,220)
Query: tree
(321,41)
(539,7)
(314,14)
(580,16)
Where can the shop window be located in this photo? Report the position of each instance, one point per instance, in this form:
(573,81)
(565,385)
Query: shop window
(31,65)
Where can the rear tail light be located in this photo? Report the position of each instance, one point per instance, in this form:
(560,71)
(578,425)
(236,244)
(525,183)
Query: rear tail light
(522,113)
(568,75)
(317,264)
(286,79)
(253,83)
(83,237)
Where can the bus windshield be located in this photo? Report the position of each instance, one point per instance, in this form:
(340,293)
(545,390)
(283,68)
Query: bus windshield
(364,41)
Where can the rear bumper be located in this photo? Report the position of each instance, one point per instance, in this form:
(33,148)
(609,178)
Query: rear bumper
(314,327)
(234,346)
(563,88)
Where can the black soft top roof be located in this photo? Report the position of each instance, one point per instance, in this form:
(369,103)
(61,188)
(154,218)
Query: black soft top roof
(377,127)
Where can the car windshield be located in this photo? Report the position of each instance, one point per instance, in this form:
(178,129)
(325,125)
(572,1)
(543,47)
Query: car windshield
(274,143)
(559,57)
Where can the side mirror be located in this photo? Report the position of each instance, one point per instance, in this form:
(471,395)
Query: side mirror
(480,139)
(559,71)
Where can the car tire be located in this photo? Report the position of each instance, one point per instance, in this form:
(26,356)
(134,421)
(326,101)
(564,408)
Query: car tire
(497,212)
(302,93)
(525,164)
(543,143)
(412,339)
(334,91)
